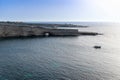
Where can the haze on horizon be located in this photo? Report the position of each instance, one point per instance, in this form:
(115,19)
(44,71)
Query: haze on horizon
(60,10)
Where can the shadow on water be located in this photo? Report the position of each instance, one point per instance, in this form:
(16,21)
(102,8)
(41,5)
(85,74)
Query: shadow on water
(35,37)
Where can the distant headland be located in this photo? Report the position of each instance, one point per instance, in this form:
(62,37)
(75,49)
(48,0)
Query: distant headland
(21,29)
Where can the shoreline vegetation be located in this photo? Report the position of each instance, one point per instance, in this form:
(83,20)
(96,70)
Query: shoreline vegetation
(22,29)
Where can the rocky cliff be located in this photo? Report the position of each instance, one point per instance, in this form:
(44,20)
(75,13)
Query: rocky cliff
(15,29)
(24,30)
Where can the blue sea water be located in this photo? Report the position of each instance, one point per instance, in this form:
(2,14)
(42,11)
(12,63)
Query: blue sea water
(63,58)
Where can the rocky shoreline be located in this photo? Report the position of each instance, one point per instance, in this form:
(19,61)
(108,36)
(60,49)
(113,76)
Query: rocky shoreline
(19,29)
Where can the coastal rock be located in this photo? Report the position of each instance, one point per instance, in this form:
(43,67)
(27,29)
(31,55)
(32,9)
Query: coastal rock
(12,29)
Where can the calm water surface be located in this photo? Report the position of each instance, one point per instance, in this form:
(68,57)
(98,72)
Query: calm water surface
(62,58)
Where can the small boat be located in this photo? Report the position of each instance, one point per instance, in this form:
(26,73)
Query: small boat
(97,47)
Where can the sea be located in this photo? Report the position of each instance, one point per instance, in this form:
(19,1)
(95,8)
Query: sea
(63,58)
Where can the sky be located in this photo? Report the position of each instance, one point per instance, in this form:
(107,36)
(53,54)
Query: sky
(60,10)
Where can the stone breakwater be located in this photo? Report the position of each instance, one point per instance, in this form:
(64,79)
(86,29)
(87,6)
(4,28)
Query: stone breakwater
(27,30)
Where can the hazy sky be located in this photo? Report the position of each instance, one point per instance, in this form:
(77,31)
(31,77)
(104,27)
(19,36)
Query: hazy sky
(60,10)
